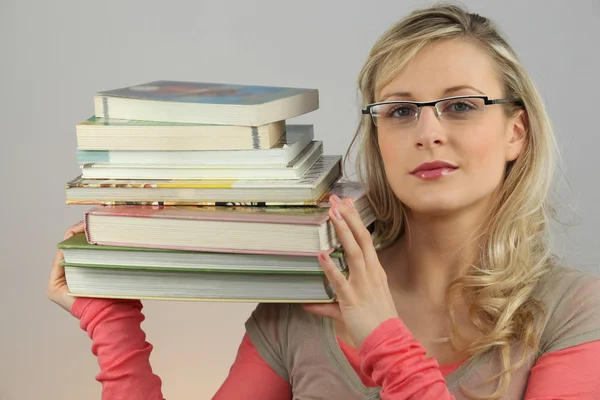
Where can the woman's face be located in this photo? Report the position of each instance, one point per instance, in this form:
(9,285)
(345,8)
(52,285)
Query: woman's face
(478,149)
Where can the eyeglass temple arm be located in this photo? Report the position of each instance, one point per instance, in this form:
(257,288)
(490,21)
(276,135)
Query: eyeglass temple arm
(502,101)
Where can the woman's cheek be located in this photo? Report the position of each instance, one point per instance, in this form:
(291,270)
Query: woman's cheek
(485,158)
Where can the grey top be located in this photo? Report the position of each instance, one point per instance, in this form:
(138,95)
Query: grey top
(303,349)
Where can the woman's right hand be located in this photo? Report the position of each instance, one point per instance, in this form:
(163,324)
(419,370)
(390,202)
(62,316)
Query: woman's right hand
(57,285)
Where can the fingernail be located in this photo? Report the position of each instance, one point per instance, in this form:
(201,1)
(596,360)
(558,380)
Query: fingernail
(335,199)
(350,202)
(324,256)
(336,212)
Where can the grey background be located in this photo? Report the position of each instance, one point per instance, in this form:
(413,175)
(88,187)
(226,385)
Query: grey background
(56,55)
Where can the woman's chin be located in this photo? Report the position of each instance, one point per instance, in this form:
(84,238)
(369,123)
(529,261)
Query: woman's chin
(433,208)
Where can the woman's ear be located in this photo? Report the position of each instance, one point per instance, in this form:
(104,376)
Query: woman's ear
(517,131)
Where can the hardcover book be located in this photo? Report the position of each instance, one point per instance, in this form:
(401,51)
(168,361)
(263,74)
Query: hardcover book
(79,253)
(199,285)
(266,230)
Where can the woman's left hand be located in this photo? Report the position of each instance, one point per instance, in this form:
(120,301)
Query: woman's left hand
(364,300)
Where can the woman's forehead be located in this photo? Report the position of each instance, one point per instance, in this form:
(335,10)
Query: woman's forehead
(443,69)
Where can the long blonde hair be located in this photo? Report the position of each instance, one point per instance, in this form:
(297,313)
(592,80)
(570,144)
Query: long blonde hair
(514,252)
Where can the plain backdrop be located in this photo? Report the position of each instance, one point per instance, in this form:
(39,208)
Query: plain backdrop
(56,54)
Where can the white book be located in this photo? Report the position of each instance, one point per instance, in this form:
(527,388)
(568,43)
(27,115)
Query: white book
(289,146)
(294,170)
(97,133)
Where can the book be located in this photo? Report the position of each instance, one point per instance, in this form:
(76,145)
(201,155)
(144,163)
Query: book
(294,170)
(97,133)
(267,230)
(79,253)
(228,286)
(290,144)
(307,190)
(205,102)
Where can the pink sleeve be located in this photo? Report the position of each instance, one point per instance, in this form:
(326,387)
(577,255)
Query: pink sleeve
(124,357)
(248,369)
(120,345)
(571,373)
(396,361)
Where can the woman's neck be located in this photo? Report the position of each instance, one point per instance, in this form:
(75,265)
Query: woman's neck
(434,251)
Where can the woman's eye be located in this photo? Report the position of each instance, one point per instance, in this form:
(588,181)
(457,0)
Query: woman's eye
(459,106)
(400,112)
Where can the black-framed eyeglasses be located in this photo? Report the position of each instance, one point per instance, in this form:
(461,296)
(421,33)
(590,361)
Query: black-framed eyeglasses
(401,113)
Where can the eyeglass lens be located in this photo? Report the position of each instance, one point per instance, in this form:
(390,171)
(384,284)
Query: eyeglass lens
(406,114)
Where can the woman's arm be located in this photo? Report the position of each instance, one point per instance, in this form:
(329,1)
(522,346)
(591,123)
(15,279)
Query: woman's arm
(390,356)
(571,373)
(121,347)
(118,340)
(396,361)
(124,357)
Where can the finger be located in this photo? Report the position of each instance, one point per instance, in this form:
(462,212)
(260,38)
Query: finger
(359,230)
(324,310)
(58,270)
(74,229)
(354,254)
(336,278)
(363,237)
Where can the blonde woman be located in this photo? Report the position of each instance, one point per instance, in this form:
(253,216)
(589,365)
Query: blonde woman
(456,295)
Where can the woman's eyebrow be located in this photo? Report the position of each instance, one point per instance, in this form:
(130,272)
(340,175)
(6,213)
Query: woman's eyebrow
(447,91)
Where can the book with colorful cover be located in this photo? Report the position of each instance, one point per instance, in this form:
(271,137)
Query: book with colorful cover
(205,102)
(308,190)
(288,147)
(263,230)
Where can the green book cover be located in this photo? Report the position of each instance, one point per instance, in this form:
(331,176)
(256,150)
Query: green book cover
(202,270)
(79,241)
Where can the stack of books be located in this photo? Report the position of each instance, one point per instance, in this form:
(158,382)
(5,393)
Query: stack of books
(204,191)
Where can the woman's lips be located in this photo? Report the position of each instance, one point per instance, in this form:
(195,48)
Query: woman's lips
(433,169)
(434,173)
